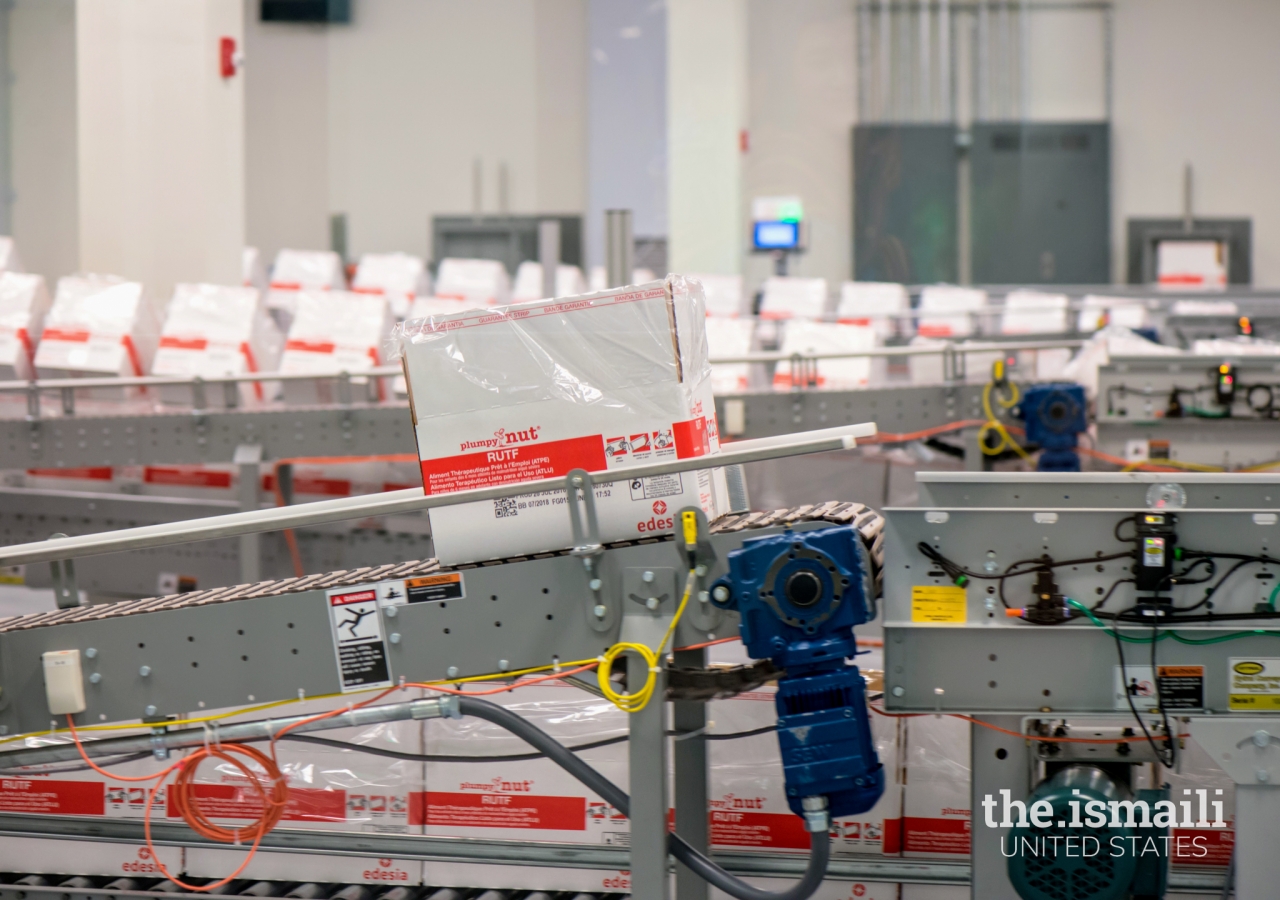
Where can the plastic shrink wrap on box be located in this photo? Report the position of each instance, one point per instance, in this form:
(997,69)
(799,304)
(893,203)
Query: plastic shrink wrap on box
(98,326)
(484,282)
(400,277)
(211,331)
(334,331)
(24,303)
(298,270)
(601,382)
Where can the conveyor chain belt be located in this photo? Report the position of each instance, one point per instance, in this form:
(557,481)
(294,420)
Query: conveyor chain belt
(868,522)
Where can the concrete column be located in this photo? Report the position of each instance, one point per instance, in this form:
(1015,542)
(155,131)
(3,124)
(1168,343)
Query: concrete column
(160,141)
(706,118)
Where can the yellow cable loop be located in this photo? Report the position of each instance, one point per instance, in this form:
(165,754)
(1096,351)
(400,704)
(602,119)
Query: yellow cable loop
(993,424)
(638,700)
(1176,464)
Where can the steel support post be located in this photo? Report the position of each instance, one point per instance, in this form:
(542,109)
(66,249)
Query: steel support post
(248,458)
(648,761)
(690,756)
(999,762)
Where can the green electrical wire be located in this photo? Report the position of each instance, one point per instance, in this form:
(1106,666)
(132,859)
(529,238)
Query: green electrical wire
(1271,601)
(1235,635)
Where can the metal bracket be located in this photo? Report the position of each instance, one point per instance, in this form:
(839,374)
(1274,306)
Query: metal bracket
(68,401)
(199,401)
(64,579)
(953,363)
(583,522)
(33,400)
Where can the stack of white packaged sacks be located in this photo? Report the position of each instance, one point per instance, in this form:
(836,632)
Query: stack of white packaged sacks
(526,799)
(400,277)
(253,273)
(1097,312)
(24,302)
(330,789)
(528,286)
(88,794)
(334,331)
(212,331)
(730,331)
(483,282)
(748,795)
(875,304)
(602,382)
(803,337)
(598,278)
(948,312)
(98,325)
(298,270)
(793,298)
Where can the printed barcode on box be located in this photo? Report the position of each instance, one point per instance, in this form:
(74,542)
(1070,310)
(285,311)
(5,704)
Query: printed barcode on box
(504,507)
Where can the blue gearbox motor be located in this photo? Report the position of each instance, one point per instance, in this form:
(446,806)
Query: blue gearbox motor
(1054,415)
(799,595)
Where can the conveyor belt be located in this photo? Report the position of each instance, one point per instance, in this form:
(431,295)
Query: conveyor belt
(868,522)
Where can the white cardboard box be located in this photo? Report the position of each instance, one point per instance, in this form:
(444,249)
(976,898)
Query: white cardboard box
(602,382)
(43,856)
(24,302)
(211,330)
(98,325)
(333,331)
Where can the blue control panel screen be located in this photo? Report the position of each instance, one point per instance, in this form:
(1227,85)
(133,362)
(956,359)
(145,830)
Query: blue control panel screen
(777,235)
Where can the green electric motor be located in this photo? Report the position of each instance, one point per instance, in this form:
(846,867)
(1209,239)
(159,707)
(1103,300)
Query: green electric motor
(1067,858)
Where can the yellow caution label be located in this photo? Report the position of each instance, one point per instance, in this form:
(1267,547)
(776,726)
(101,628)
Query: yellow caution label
(1253,683)
(939,603)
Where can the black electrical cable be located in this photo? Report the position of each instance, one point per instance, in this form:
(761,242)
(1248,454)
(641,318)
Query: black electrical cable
(820,841)
(1116,529)
(1107,596)
(55,769)
(510,757)
(1128,696)
(954,569)
(1164,716)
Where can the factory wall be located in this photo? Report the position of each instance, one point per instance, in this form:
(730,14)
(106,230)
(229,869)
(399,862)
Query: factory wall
(385,118)
(1188,79)
(46,212)
(802,93)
